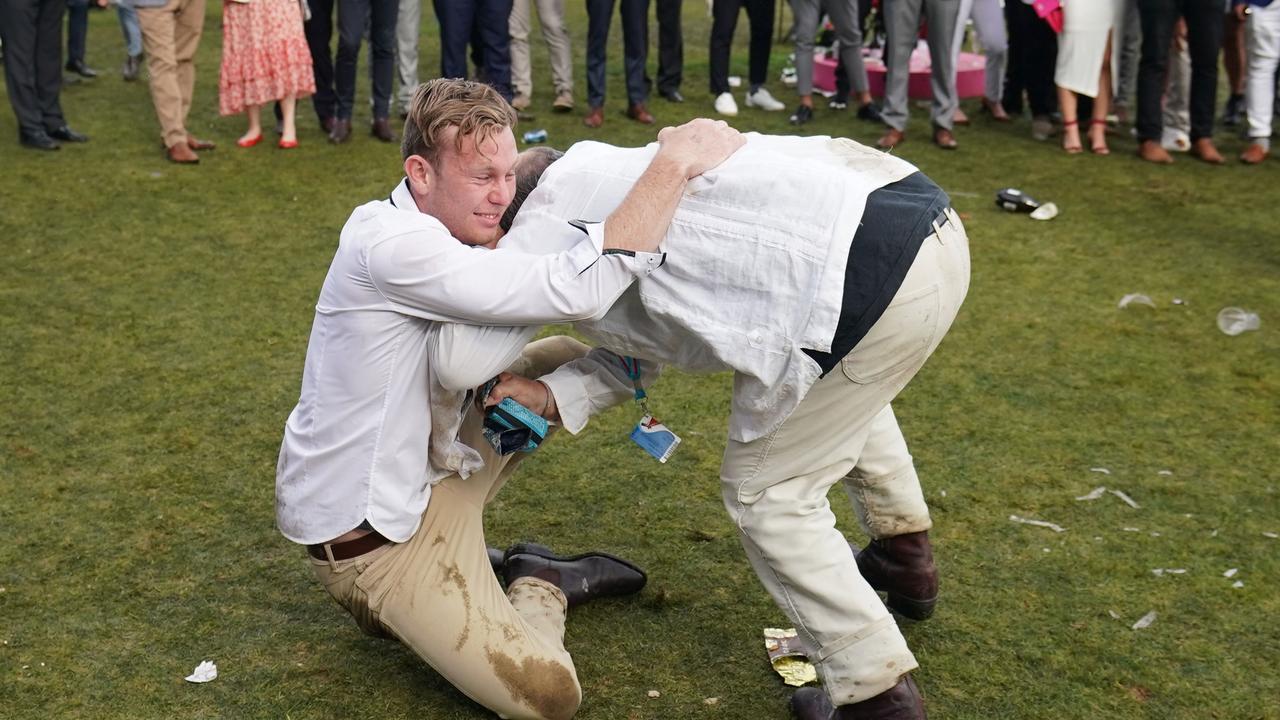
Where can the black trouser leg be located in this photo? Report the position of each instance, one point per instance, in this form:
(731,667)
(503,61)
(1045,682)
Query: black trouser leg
(1204,39)
(670,46)
(724,20)
(1158,18)
(635,48)
(760,15)
(49,62)
(599,16)
(382,53)
(353,15)
(456,18)
(492,18)
(319,30)
(18,21)
(77,29)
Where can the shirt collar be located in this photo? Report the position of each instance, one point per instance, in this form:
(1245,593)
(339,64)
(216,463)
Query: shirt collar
(402,198)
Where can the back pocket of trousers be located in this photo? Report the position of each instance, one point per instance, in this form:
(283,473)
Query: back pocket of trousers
(899,338)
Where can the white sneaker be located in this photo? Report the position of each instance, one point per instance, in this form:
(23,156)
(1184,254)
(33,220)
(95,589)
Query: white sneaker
(763,100)
(725,104)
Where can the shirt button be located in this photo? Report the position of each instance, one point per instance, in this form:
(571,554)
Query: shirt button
(756,338)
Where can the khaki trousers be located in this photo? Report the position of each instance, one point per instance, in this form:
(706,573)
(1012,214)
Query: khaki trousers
(170,36)
(438,595)
(551,17)
(775,487)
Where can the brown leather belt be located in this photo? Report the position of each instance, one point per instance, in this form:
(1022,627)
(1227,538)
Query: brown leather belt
(350,548)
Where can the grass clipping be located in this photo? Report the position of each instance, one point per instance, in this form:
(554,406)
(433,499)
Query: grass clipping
(787,656)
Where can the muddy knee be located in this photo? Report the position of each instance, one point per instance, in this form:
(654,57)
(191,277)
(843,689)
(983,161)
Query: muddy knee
(547,688)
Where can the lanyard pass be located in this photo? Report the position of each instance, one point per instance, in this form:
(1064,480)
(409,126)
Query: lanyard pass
(650,434)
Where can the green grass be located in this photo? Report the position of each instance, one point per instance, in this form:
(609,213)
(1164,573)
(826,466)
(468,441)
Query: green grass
(154,319)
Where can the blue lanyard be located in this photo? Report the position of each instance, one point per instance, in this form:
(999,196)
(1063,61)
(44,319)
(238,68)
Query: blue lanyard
(632,368)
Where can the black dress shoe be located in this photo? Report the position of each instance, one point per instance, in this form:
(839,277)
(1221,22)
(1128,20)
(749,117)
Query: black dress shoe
(581,577)
(38,141)
(870,113)
(672,95)
(78,67)
(66,134)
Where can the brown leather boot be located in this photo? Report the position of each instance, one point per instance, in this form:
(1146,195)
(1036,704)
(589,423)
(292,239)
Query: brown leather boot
(640,114)
(1151,151)
(1204,149)
(900,702)
(891,139)
(902,566)
(1253,154)
(182,154)
(594,118)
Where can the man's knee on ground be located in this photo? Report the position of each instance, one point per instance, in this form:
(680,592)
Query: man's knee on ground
(544,688)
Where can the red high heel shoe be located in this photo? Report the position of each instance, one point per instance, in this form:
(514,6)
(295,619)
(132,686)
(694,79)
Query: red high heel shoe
(1099,147)
(249,142)
(287,144)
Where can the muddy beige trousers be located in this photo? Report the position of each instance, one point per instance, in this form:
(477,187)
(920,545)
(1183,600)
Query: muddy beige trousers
(775,487)
(438,595)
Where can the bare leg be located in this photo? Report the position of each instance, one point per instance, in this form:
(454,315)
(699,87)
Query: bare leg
(254,112)
(1070,123)
(287,106)
(1101,106)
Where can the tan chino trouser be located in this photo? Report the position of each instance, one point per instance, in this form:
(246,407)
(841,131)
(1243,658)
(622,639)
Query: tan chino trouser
(171,36)
(775,487)
(438,594)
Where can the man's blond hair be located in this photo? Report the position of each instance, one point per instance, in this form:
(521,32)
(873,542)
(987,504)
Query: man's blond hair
(475,109)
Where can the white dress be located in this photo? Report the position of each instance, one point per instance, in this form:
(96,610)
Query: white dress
(1083,42)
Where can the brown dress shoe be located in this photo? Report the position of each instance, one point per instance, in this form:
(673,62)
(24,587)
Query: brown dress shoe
(1254,154)
(944,139)
(326,124)
(891,139)
(640,114)
(341,131)
(594,118)
(1204,149)
(381,129)
(900,702)
(902,566)
(182,154)
(1151,151)
(196,143)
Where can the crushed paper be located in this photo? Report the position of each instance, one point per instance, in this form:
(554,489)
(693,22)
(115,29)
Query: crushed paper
(203,673)
(1165,472)
(1231,573)
(1135,299)
(1128,500)
(654,694)
(1271,535)
(712,701)
(1238,584)
(1102,470)
(1094,494)
(1171,571)
(1038,523)
(1145,621)
(1114,615)
(1214,533)
(788,658)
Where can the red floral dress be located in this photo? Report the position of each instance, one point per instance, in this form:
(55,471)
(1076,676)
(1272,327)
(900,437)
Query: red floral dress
(264,54)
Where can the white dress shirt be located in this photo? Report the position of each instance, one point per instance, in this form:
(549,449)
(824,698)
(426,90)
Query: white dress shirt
(374,428)
(756,257)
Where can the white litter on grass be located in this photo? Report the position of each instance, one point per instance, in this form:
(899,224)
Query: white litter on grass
(1132,529)
(1214,533)
(1093,494)
(1047,550)
(1102,470)
(1155,534)
(1047,211)
(1145,621)
(1231,573)
(1238,584)
(1038,523)
(203,673)
(943,493)
(1170,571)
(711,701)
(655,694)
(1271,535)
(1127,500)
(1165,472)
(1114,615)
(1135,299)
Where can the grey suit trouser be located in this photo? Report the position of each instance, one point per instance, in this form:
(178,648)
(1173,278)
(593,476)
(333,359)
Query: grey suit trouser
(408,28)
(902,21)
(844,15)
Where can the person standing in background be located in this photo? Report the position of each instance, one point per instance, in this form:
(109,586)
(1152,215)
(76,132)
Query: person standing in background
(1033,49)
(31,33)
(264,58)
(1262,40)
(1085,67)
(486,25)
(551,18)
(724,21)
(77,34)
(635,51)
(335,80)
(845,17)
(1204,38)
(408,31)
(670,50)
(902,25)
(988,21)
(132,40)
(171,31)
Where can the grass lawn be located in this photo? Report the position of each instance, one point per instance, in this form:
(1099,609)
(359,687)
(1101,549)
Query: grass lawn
(154,319)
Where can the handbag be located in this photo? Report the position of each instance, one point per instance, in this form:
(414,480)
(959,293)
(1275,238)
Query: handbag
(1050,11)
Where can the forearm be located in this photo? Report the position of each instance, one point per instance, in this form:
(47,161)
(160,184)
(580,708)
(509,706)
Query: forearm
(641,221)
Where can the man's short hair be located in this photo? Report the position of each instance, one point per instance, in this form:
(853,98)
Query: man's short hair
(529,168)
(475,109)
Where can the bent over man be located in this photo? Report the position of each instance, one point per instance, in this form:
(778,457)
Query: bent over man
(824,273)
(383,472)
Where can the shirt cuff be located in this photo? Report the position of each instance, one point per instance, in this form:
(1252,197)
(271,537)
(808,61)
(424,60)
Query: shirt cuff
(571,399)
(639,263)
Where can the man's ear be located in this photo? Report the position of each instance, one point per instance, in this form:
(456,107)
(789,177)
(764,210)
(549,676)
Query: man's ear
(421,175)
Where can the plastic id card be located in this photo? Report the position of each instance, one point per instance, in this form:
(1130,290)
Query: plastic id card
(654,438)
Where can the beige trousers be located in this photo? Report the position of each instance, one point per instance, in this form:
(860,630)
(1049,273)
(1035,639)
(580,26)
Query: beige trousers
(775,487)
(551,17)
(438,595)
(170,36)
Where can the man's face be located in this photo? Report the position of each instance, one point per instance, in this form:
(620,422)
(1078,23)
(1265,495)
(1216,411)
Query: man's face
(472,187)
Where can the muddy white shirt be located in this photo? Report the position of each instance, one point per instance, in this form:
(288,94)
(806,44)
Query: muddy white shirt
(361,443)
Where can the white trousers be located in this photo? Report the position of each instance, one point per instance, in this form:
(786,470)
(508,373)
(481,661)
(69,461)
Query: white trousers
(1262,40)
(988,21)
(408,27)
(775,487)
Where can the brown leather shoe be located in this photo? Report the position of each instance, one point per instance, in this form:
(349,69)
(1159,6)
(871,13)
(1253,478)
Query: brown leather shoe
(341,131)
(1204,149)
(640,114)
(326,124)
(381,129)
(891,139)
(594,118)
(1151,151)
(196,143)
(182,154)
(1254,154)
(902,566)
(944,139)
(900,702)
